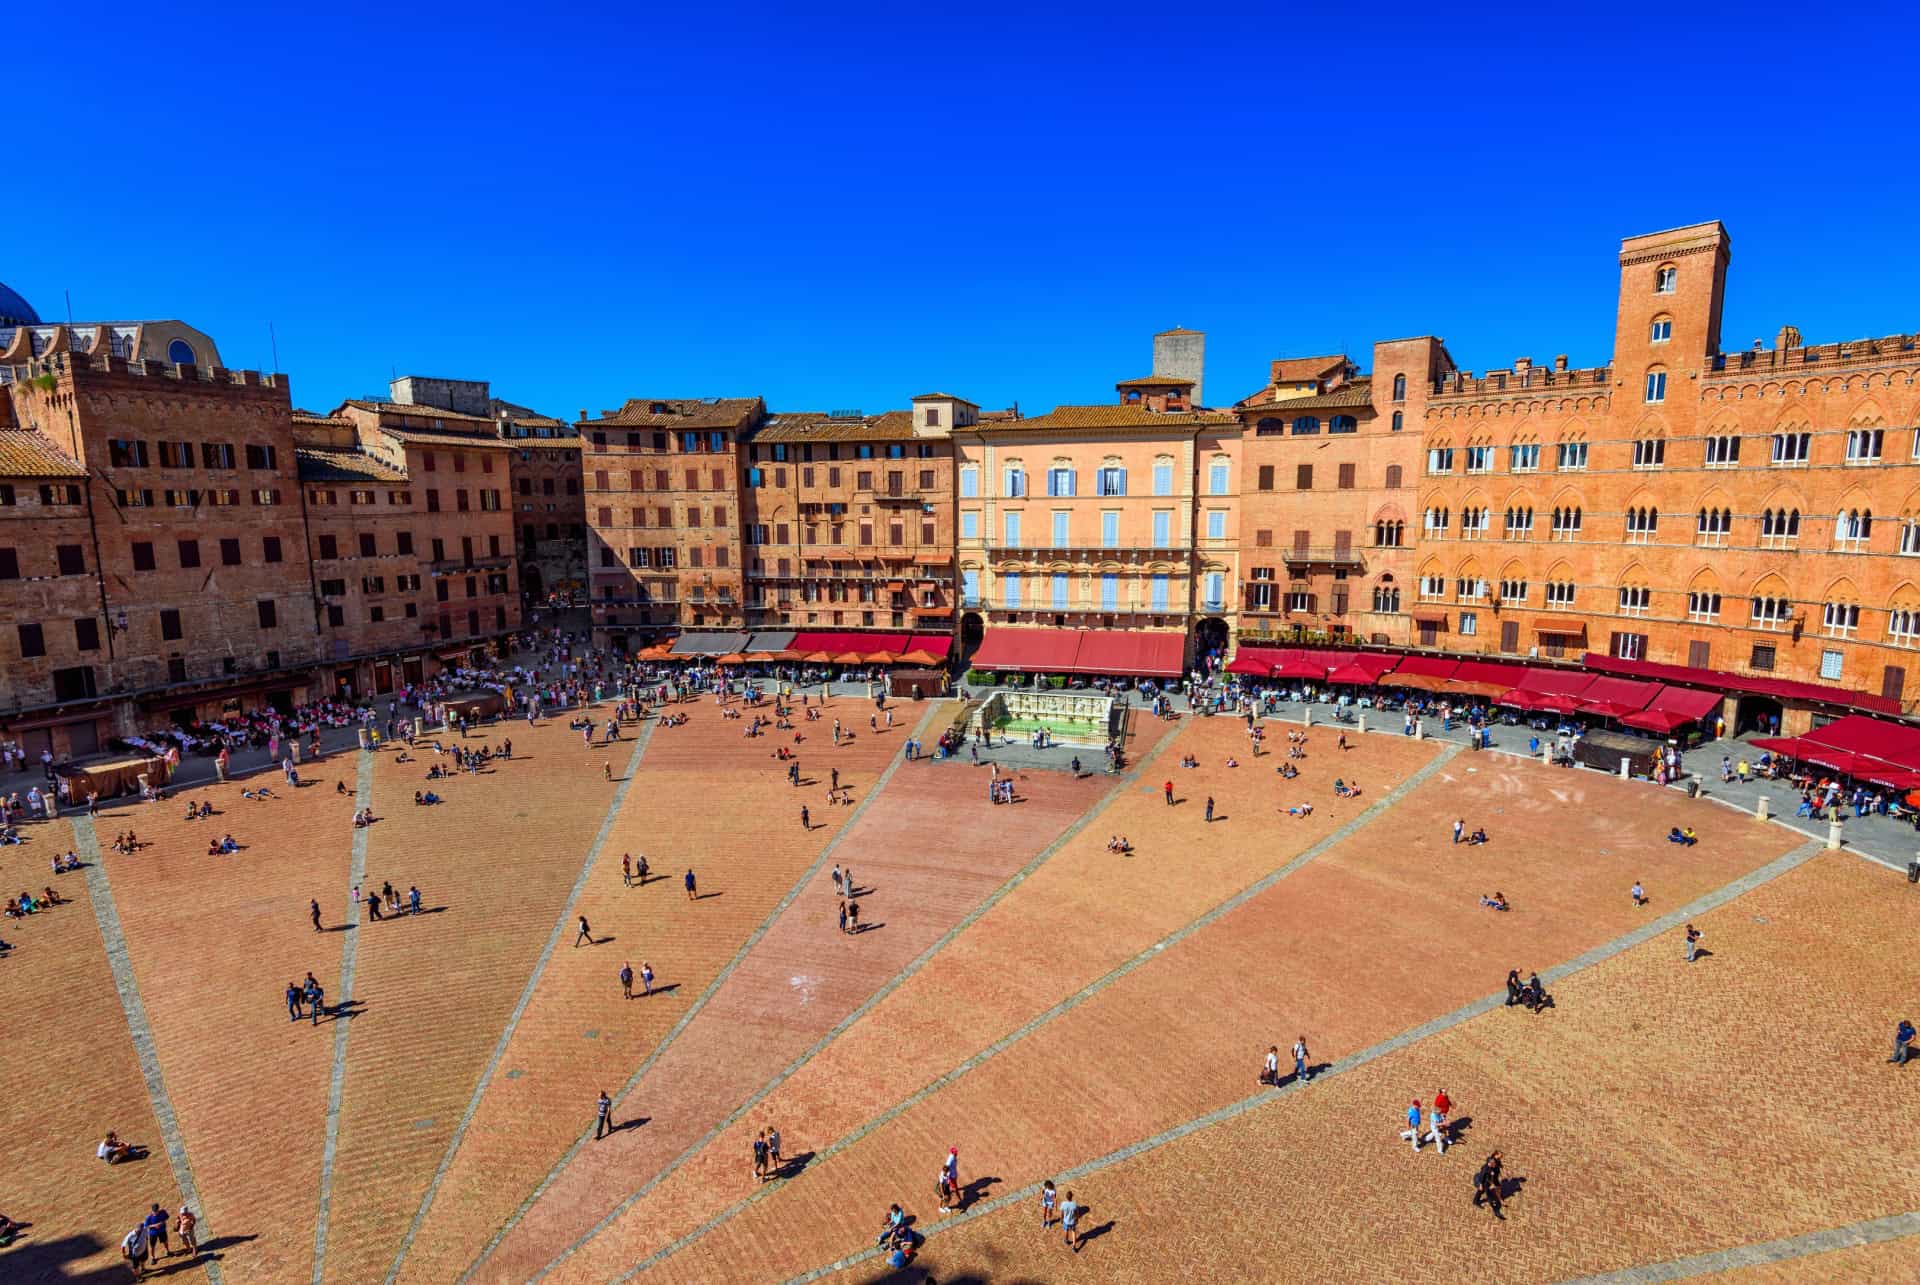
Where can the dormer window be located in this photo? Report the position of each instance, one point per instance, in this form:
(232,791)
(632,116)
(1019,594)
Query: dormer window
(658,408)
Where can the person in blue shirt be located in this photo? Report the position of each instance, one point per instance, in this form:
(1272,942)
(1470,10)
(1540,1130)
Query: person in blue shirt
(1902,1044)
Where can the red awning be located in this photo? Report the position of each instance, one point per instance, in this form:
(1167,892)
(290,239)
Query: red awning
(1438,619)
(1426,673)
(1561,628)
(1616,697)
(1028,650)
(1489,671)
(1560,682)
(1365,669)
(1778,688)
(1257,661)
(848,641)
(1299,667)
(1673,707)
(1130,652)
(938,645)
(1893,743)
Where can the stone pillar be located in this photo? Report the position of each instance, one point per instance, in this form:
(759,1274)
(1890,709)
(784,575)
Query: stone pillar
(50,804)
(293,748)
(366,742)
(1419,729)
(1363,720)
(1306,716)
(1760,809)
(220,769)
(1626,767)
(1546,754)
(1833,834)
(419,727)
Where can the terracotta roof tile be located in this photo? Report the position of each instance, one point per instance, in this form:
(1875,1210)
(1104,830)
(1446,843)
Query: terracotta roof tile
(1348,396)
(815,426)
(1096,417)
(1156,381)
(314,417)
(427,437)
(523,415)
(939,397)
(1293,370)
(318,464)
(25,453)
(419,412)
(684,412)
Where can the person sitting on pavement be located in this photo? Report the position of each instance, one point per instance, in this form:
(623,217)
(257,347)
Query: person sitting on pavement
(1498,901)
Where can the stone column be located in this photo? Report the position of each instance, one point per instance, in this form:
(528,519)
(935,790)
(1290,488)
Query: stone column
(1760,809)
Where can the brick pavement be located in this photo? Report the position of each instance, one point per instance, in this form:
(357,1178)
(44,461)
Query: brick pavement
(1193,1033)
(494,864)
(705,796)
(213,941)
(929,859)
(68,1074)
(1080,914)
(1633,1116)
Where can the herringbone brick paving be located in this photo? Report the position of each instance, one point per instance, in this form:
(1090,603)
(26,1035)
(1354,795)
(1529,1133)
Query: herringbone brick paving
(1660,1110)
(706,797)
(1380,934)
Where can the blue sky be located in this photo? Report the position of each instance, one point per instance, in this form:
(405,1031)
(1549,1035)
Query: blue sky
(844,207)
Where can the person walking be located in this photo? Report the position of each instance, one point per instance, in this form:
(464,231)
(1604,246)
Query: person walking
(1459,828)
(293,1002)
(413,899)
(603,1124)
(133,1248)
(1693,943)
(1486,1185)
(585,934)
(316,999)
(760,1156)
(1070,1222)
(839,885)
(1639,894)
(693,893)
(640,869)
(1270,1073)
(1902,1043)
(184,1226)
(1049,1198)
(1437,1123)
(1300,1072)
(774,1161)
(1209,809)
(156,1223)
(853,916)
(950,1170)
(806,818)
(1167,790)
(313,910)
(626,981)
(843,917)
(373,909)
(1412,1132)
(1513,987)
(626,870)
(646,979)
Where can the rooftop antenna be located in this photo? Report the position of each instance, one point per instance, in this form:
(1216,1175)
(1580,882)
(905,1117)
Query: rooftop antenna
(274,340)
(69,295)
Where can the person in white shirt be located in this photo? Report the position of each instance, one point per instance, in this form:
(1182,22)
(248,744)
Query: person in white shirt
(134,1249)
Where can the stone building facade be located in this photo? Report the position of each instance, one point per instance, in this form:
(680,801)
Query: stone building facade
(848,519)
(662,480)
(549,503)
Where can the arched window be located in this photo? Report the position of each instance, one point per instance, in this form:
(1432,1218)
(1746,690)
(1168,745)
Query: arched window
(1399,421)
(1780,526)
(1852,528)
(1566,523)
(181,353)
(1133,394)
(1343,424)
(1666,280)
(1661,330)
(1714,526)
(1642,524)
(1305,425)
(1399,388)
(1656,384)
(1269,427)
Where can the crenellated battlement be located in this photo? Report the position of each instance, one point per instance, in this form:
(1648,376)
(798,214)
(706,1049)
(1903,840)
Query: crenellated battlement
(96,369)
(1794,358)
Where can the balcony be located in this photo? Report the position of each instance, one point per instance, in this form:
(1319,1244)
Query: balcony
(1090,553)
(1083,616)
(1322,555)
(488,563)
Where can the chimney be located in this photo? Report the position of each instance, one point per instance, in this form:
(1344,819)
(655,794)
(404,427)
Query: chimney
(1789,337)
(1560,362)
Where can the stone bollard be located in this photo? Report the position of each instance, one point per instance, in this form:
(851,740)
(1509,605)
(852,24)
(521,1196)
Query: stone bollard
(1833,834)
(220,769)
(419,728)
(366,741)
(1363,720)
(293,749)
(50,805)
(1760,809)
(1546,755)
(1306,716)
(1626,768)
(1419,729)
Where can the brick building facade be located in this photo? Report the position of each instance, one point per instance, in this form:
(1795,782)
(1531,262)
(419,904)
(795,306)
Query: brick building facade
(167,576)
(1331,461)
(1684,504)
(848,519)
(662,480)
(549,503)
